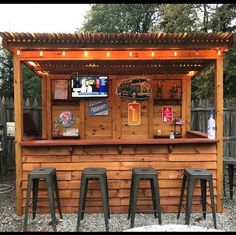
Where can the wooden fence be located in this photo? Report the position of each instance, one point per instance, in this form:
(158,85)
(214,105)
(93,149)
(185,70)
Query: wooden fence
(7,115)
(200,115)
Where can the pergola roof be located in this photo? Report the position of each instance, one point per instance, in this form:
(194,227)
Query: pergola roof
(122,40)
(119,42)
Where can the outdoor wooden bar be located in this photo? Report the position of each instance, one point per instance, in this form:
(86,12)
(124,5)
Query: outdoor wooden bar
(111,140)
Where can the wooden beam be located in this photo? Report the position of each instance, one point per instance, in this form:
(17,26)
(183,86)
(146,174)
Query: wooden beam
(18,109)
(119,55)
(219,117)
(157,76)
(160,44)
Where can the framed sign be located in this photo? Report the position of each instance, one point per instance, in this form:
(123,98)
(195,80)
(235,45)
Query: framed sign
(98,108)
(134,113)
(167,113)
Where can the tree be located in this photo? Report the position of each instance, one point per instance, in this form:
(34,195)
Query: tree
(178,18)
(220,18)
(120,18)
(6,73)
(31,82)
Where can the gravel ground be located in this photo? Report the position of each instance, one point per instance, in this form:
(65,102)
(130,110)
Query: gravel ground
(10,222)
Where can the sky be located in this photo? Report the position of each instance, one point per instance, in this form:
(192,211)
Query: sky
(42,18)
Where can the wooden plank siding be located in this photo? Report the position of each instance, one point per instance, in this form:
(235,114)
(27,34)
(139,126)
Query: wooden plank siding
(119,169)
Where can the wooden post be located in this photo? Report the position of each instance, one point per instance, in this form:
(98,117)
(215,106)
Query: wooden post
(184,106)
(44,107)
(188,104)
(219,128)
(49,107)
(18,108)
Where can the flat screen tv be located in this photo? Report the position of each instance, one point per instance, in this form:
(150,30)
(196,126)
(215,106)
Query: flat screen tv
(89,86)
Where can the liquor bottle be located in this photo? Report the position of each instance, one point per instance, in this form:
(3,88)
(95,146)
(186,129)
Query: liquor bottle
(211,127)
(172,136)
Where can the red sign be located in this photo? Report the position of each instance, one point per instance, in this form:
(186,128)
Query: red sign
(167,113)
(134,113)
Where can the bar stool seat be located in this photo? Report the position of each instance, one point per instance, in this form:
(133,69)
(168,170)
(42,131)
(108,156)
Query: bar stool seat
(49,175)
(190,175)
(230,162)
(93,174)
(144,173)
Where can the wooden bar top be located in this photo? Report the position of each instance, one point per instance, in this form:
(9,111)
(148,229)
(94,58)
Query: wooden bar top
(73,142)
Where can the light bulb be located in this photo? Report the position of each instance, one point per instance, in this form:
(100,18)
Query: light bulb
(40,53)
(85,53)
(18,52)
(130,53)
(152,54)
(175,53)
(108,53)
(63,53)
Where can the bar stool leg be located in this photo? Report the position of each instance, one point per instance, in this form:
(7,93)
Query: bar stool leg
(153,198)
(212,201)
(190,190)
(203,196)
(81,200)
(181,195)
(27,203)
(104,201)
(134,200)
(130,196)
(50,186)
(35,196)
(157,198)
(109,216)
(57,195)
(231,179)
(84,198)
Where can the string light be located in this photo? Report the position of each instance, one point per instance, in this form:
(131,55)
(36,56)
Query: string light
(175,53)
(40,53)
(152,54)
(219,52)
(18,52)
(63,53)
(197,53)
(85,53)
(108,53)
(130,53)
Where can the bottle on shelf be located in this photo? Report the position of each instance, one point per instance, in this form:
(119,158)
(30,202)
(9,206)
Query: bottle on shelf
(211,126)
(172,136)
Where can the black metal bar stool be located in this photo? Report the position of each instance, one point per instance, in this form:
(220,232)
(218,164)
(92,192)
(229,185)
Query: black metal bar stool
(49,175)
(190,175)
(93,174)
(144,174)
(230,162)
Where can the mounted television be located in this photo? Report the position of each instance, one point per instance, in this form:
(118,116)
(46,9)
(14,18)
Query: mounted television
(89,86)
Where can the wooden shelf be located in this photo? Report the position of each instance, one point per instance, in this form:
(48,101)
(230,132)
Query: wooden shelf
(168,101)
(65,101)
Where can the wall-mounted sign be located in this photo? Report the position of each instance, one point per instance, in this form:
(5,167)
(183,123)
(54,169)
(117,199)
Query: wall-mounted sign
(134,113)
(10,128)
(71,132)
(66,119)
(136,88)
(98,108)
(167,113)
